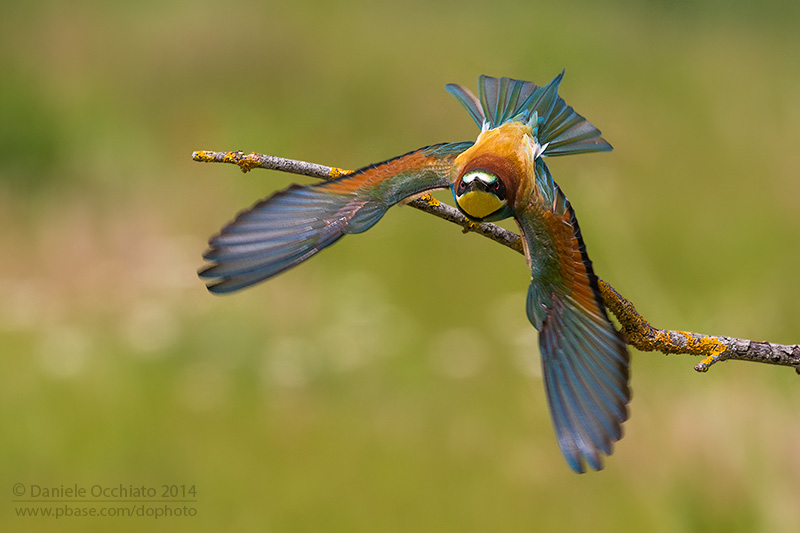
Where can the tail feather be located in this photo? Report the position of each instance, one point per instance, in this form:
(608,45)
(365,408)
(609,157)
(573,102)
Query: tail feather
(557,125)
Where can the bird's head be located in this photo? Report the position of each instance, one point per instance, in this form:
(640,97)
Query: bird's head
(494,174)
(480,194)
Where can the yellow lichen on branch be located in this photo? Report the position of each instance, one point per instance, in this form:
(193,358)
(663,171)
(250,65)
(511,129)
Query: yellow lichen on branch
(430,200)
(248,163)
(643,336)
(203,156)
(338,172)
(470,226)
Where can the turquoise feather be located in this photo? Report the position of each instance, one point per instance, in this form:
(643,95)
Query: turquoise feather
(555,124)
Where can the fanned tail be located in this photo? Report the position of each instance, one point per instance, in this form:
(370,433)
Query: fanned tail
(556,125)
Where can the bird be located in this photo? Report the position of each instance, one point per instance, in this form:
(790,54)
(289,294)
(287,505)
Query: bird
(502,174)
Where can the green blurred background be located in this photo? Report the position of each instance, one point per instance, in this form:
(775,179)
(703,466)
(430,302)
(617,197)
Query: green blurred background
(368,390)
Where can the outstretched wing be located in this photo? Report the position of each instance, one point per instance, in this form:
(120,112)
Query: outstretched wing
(294,224)
(584,359)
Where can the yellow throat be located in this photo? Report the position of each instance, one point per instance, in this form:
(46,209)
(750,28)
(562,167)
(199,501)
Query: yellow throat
(480,204)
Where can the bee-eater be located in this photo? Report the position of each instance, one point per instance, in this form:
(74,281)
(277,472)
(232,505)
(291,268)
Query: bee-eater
(502,174)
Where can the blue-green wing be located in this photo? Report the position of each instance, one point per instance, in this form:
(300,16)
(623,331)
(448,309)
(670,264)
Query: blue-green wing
(294,224)
(584,359)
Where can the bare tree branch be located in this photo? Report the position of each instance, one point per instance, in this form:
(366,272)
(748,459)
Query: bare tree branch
(638,331)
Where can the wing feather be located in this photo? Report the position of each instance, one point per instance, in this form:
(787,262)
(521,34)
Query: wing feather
(293,225)
(585,362)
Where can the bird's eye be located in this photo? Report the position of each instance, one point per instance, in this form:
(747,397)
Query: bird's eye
(462,185)
(496,185)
